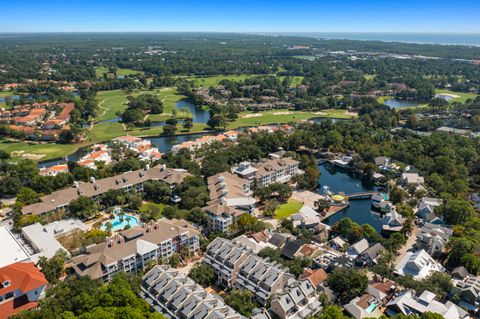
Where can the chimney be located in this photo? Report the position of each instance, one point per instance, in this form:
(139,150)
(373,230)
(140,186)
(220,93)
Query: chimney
(147,167)
(92,180)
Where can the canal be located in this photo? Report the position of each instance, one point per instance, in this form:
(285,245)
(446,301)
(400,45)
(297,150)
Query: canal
(340,180)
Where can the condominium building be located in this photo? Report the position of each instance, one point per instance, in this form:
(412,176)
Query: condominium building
(238,267)
(130,182)
(173,294)
(230,197)
(133,249)
(266,172)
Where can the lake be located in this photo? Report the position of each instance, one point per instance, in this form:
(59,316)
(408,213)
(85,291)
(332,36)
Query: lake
(340,180)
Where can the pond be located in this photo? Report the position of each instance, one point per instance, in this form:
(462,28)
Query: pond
(198,115)
(340,180)
(397,104)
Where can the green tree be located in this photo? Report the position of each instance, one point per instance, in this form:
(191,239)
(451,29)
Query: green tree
(203,275)
(83,207)
(347,283)
(242,301)
(54,267)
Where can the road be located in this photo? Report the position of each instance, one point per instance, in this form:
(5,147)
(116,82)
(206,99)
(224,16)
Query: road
(411,239)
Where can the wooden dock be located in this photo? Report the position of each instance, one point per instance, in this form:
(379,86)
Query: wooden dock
(361,195)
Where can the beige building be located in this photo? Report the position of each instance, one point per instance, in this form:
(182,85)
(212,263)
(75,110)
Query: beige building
(129,181)
(133,249)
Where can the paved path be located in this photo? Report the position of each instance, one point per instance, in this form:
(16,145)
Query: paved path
(408,246)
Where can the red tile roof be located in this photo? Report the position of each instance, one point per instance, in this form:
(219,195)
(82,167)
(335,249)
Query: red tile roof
(23,276)
(15,306)
(316,277)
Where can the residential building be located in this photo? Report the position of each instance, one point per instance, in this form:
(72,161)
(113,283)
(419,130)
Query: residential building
(392,221)
(297,300)
(337,243)
(237,267)
(358,248)
(13,250)
(426,210)
(22,285)
(316,277)
(418,264)
(368,305)
(133,249)
(407,303)
(44,238)
(292,248)
(309,219)
(175,295)
(129,181)
(230,197)
(409,179)
(433,238)
(54,170)
(275,170)
(343,162)
(370,255)
(468,287)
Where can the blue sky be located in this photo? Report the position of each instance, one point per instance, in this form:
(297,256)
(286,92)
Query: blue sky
(241,16)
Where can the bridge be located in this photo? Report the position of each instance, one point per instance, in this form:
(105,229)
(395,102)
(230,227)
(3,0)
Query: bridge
(361,195)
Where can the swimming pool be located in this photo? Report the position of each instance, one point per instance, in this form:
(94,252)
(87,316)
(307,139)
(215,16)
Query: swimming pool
(371,308)
(118,224)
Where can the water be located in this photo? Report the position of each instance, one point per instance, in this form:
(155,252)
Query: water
(397,104)
(199,115)
(470,39)
(340,180)
(118,224)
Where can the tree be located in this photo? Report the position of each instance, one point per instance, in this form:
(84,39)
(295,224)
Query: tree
(395,242)
(174,260)
(398,195)
(187,123)
(9,185)
(83,207)
(347,283)
(242,301)
(203,275)
(217,121)
(331,312)
(54,267)
(27,196)
(322,205)
(169,129)
(456,211)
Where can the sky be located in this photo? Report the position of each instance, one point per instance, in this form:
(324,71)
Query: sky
(411,16)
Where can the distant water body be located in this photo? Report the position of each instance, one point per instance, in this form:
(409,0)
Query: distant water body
(470,39)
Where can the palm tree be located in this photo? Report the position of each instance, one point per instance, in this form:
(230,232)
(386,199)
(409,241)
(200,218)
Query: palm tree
(407,228)
(128,219)
(97,225)
(108,227)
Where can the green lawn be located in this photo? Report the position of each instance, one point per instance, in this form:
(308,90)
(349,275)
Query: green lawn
(215,80)
(100,70)
(462,97)
(369,77)
(6,93)
(276,116)
(145,207)
(111,102)
(287,209)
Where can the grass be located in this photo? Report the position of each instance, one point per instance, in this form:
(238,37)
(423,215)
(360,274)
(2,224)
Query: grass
(111,102)
(462,97)
(369,77)
(216,79)
(147,206)
(6,93)
(101,70)
(273,117)
(292,206)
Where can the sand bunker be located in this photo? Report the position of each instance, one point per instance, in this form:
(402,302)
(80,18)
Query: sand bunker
(251,115)
(282,113)
(320,113)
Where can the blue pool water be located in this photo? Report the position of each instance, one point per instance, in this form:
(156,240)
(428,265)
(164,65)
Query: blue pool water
(117,224)
(371,308)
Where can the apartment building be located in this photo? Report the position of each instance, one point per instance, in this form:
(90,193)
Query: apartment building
(133,249)
(173,294)
(269,171)
(238,267)
(297,300)
(129,181)
(434,238)
(230,197)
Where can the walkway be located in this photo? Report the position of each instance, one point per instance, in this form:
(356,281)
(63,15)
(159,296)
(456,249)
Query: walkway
(411,239)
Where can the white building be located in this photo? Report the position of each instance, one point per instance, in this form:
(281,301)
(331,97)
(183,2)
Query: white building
(43,238)
(419,265)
